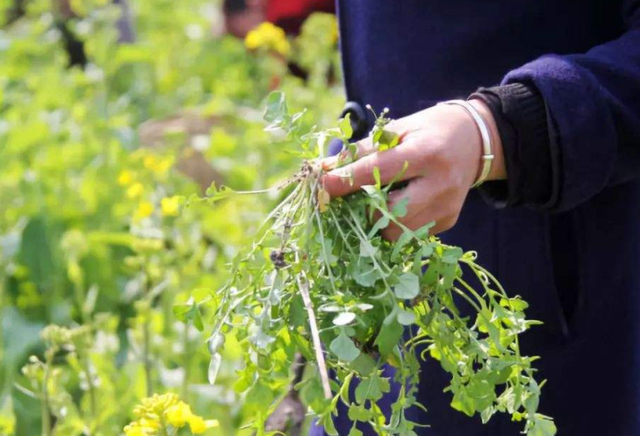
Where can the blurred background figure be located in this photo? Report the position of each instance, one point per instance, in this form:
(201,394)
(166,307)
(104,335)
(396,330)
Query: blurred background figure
(240,16)
(291,14)
(64,12)
(243,15)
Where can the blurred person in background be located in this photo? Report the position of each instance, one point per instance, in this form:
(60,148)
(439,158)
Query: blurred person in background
(240,16)
(63,12)
(243,15)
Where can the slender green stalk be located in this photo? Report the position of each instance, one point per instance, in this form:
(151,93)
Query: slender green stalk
(3,377)
(186,363)
(93,402)
(146,354)
(303,286)
(45,410)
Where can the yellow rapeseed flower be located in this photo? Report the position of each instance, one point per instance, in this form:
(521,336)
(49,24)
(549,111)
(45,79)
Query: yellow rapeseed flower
(178,414)
(145,209)
(156,164)
(335,32)
(135,190)
(170,206)
(134,430)
(268,36)
(153,407)
(141,428)
(197,424)
(125,178)
(149,424)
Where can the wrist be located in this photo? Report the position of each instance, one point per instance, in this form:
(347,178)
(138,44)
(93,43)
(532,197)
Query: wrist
(498,169)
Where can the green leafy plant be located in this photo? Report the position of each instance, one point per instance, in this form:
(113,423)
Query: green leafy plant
(320,282)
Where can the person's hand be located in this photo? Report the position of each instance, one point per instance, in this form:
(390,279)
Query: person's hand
(442,147)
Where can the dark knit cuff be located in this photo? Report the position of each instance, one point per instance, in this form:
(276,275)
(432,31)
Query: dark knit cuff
(521,117)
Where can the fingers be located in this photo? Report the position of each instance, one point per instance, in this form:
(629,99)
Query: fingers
(417,193)
(351,178)
(390,163)
(364,147)
(426,203)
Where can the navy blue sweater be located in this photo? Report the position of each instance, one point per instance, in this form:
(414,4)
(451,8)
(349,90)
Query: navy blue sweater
(577,261)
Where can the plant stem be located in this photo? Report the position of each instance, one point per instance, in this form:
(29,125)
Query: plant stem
(163,427)
(92,390)
(3,387)
(44,403)
(80,298)
(324,250)
(363,237)
(186,363)
(336,223)
(315,336)
(470,301)
(146,337)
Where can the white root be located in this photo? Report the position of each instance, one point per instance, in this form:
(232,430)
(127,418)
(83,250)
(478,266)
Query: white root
(315,335)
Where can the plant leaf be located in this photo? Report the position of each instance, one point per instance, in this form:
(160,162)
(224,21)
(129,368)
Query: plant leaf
(400,208)
(345,126)
(542,427)
(323,200)
(276,110)
(344,348)
(406,317)
(214,368)
(372,388)
(408,286)
(344,318)
(388,337)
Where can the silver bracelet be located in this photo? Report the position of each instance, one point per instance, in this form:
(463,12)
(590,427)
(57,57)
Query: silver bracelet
(487,156)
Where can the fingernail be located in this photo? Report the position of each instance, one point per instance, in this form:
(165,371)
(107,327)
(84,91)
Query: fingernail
(328,163)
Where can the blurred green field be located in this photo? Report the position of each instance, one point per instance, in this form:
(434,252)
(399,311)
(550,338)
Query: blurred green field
(102,231)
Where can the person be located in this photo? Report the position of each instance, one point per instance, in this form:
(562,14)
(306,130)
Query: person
(243,15)
(240,16)
(290,14)
(557,217)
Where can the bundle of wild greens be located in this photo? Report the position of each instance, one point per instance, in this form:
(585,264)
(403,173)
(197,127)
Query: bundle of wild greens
(320,282)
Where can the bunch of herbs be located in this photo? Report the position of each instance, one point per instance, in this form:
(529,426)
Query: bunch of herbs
(320,282)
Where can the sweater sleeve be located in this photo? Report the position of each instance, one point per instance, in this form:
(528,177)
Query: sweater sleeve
(531,158)
(593,100)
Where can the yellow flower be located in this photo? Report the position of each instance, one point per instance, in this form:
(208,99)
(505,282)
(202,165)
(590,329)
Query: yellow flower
(178,414)
(125,178)
(135,190)
(158,166)
(134,431)
(282,47)
(253,40)
(197,424)
(150,424)
(142,428)
(170,206)
(153,407)
(268,36)
(335,32)
(145,209)
(149,161)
